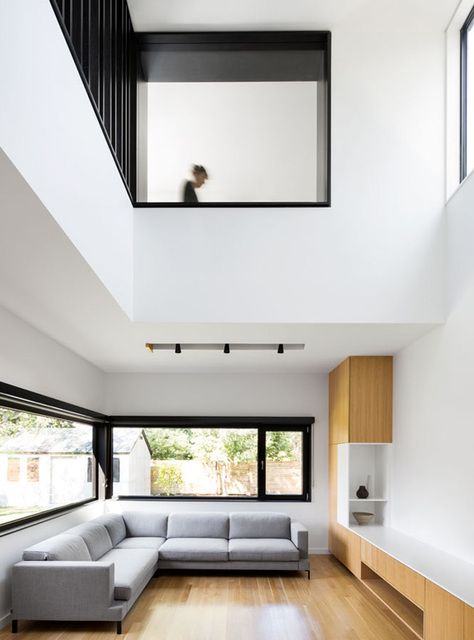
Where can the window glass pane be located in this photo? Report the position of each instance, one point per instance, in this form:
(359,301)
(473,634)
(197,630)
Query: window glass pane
(284,463)
(185,461)
(470,101)
(43,463)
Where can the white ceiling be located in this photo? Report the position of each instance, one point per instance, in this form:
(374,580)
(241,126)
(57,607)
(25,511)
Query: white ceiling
(45,281)
(168,15)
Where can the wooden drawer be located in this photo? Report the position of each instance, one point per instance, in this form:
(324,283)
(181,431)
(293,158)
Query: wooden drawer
(407,582)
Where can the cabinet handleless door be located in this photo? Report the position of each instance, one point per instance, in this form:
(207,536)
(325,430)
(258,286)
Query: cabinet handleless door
(468,622)
(360,400)
(444,615)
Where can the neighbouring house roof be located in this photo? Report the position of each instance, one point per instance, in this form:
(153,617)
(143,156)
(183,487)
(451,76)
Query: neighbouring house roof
(68,440)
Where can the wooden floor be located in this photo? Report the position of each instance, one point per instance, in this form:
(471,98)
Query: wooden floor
(333,605)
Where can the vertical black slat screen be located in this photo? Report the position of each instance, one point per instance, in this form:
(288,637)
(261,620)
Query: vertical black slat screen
(101,39)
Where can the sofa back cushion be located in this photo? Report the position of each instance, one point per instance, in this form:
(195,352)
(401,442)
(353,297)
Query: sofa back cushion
(95,536)
(198,525)
(249,524)
(145,524)
(115,526)
(65,546)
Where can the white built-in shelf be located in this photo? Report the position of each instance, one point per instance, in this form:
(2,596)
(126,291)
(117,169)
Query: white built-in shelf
(363,464)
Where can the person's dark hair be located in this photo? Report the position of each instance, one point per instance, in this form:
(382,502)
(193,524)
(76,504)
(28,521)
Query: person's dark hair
(198,168)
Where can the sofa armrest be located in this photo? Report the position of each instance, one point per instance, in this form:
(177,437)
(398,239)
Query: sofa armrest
(62,590)
(299,537)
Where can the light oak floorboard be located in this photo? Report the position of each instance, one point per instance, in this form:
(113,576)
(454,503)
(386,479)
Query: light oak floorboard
(333,605)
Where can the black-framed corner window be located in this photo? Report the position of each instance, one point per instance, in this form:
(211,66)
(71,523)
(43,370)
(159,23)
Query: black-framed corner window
(250,110)
(467,96)
(48,457)
(197,458)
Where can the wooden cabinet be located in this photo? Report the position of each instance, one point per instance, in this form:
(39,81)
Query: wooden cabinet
(360,400)
(402,578)
(468,622)
(444,615)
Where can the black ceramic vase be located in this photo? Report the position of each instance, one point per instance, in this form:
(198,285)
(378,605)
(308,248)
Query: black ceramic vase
(362,492)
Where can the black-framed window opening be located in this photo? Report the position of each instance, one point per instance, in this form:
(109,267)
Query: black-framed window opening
(246,462)
(467,96)
(46,463)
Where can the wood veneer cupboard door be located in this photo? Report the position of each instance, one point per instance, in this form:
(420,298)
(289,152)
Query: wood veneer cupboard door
(360,400)
(468,622)
(444,615)
(408,582)
(353,553)
(339,403)
(370,406)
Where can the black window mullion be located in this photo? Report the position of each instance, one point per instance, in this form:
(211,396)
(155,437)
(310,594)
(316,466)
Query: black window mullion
(463,97)
(261,474)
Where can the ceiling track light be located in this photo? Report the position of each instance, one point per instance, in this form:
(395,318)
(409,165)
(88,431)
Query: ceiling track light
(226,347)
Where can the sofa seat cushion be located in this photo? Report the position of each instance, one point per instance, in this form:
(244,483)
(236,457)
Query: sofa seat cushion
(263,550)
(131,568)
(141,543)
(65,546)
(258,524)
(198,525)
(198,549)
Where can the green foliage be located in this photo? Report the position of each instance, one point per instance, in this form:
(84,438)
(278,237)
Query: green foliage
(13,422)
(170,444)
(166,480)
(283,445)
(241,446)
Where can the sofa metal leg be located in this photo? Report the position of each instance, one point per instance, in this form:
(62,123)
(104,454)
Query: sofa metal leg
(14,626)
(119,627)
(308,571)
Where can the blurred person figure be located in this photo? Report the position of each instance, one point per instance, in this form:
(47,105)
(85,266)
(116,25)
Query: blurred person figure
(199,178)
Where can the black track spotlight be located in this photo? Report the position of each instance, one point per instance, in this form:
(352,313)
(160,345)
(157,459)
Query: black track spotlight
(280,349)
(177,348)
(226,348)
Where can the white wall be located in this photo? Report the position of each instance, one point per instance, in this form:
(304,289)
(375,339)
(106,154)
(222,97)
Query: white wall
(377,254)
(31,360)
(257,140)
(51,133)
(234,395)
(433,473)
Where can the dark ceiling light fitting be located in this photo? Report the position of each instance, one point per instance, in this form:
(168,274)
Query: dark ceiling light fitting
(224,347)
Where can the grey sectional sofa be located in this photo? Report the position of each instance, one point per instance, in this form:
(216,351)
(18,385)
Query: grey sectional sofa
(97,570)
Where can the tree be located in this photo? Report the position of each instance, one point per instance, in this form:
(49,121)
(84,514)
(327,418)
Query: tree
(13,422)
(241,445)
(283,445)
(170,444)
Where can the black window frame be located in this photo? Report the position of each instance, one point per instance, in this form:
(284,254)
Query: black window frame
(263,425)
(19,399)
(468,24)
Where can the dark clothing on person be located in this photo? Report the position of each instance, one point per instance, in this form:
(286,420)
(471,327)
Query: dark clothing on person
(189,194)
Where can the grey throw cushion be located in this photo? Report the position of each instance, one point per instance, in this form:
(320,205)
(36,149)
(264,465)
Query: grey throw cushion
(198,525)
(132,567)
(95,536)
(263,550)
(62,547)
(141,543)
(249,524)
(145,524)
(198,549)
(115,526)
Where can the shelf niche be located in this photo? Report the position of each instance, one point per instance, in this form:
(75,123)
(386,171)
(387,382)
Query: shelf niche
(356,463)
